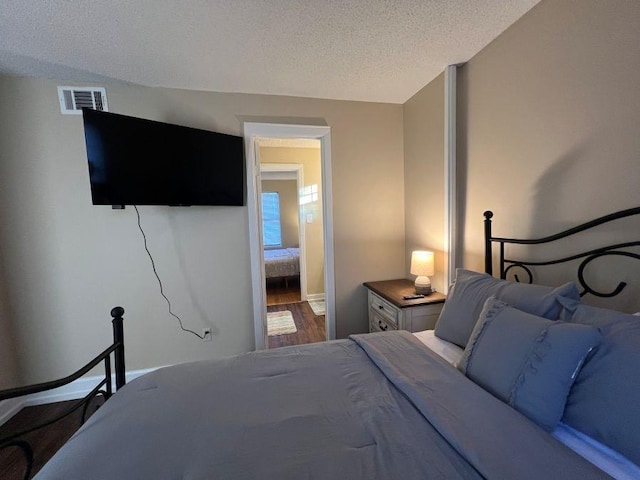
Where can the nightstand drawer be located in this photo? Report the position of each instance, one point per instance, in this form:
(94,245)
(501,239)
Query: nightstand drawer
(380,323)
(388,306)
(383,308)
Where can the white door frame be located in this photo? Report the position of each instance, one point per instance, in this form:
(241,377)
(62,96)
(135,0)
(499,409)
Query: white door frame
(252,133)
(297,172)
(450,178)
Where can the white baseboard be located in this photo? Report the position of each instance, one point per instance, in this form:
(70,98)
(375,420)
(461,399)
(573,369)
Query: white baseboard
(72,391)
(315,297)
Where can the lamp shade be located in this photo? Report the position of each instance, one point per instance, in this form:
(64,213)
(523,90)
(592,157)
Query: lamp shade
(422,263)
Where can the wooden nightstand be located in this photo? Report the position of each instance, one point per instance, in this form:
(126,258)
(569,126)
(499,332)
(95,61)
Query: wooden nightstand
(389,311)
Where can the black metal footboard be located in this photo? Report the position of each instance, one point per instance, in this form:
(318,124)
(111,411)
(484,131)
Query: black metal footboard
(506,264)
(104,388)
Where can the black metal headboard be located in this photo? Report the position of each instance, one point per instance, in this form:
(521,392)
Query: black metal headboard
(507,264)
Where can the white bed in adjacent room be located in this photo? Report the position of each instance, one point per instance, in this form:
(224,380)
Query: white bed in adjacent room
(282,262)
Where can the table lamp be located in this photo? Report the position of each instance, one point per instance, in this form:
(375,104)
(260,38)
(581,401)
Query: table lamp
(422,266)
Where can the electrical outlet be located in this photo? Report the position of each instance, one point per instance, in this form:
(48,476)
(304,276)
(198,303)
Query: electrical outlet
(206,333)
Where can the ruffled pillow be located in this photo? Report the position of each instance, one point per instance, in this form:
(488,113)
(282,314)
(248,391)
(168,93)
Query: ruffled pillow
(527,361)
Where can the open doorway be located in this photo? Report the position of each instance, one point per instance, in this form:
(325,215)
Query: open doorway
(282,234)
(292,233)
(277,154)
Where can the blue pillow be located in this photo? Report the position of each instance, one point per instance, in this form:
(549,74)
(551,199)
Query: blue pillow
(470,291)
(527,361)
(604,402)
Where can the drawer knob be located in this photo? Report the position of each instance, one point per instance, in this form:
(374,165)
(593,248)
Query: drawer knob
(382,327)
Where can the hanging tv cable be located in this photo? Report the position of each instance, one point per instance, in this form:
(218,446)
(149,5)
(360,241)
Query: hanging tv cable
(153,265)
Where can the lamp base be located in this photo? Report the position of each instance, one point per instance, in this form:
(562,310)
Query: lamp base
(423,285)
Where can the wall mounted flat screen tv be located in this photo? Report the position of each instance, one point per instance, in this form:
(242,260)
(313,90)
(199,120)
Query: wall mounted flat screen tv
(133,161)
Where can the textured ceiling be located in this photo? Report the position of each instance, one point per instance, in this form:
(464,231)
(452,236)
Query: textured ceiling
(370,50)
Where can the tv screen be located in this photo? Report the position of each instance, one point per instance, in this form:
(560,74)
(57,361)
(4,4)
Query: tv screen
(133,161)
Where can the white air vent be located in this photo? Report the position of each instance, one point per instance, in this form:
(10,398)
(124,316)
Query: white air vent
(73,99)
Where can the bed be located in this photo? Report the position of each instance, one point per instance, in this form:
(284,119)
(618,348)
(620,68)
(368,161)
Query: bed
(517,381)
(282,262)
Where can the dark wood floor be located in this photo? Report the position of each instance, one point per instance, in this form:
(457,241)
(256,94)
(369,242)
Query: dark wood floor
(279,293)
(286,296)
(45,442)
(310,327)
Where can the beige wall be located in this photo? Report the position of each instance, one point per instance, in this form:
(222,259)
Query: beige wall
(310,159)
(66,262)
(9,373)
(9,346)
(424,176)
(287,191)
(548,128)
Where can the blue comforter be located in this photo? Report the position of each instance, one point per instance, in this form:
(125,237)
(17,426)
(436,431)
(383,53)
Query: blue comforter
(377,406)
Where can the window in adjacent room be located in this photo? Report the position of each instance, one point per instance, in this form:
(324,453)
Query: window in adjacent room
(271,229)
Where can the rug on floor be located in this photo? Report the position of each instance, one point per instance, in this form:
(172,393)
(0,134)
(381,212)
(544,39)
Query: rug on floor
(280,323)
(317,306)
